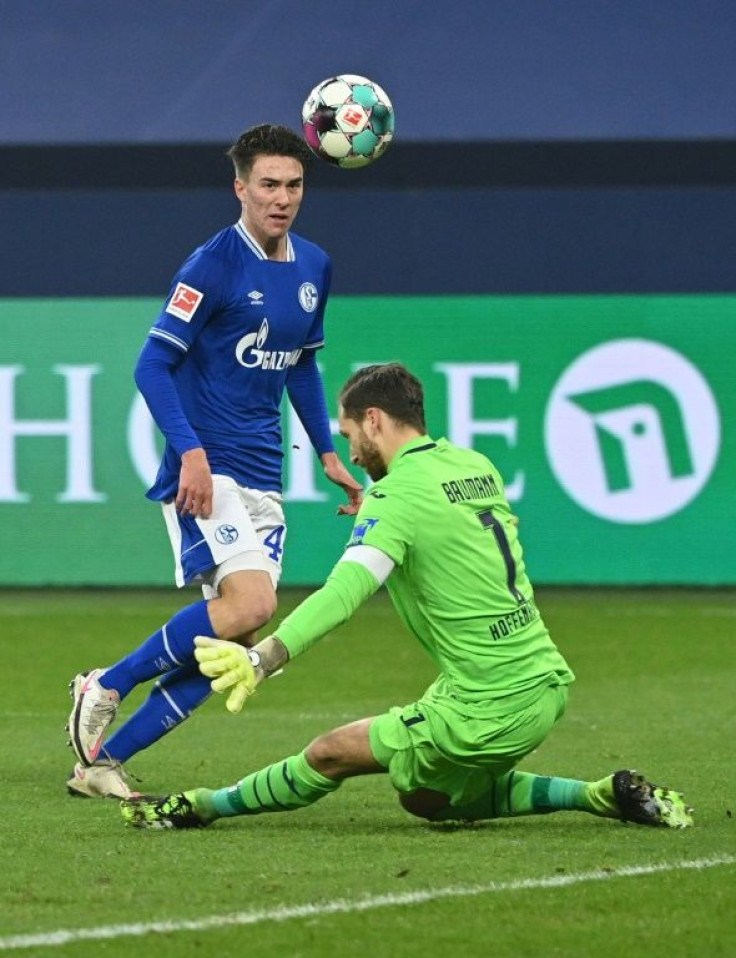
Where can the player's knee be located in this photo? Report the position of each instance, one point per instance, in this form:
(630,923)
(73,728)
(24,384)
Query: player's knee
(324,755)
(344,752)
(334,755)
(243,614)
(259,609)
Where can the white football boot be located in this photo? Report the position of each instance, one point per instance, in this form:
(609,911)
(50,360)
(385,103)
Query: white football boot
(104,779)
(93,712)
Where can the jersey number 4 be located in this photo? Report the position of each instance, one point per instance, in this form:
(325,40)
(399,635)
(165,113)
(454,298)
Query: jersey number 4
(274,543)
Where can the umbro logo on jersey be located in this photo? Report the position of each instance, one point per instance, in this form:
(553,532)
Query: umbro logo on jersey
(256,297)
(184,302)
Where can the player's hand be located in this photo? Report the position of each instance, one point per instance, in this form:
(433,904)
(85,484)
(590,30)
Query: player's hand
(338,473)
(194,496)
(230,667)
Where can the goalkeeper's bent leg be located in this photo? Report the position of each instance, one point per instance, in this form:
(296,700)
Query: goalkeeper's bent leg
(282,787)
(522,793)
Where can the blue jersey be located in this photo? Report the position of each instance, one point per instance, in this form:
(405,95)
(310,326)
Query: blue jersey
(241,321)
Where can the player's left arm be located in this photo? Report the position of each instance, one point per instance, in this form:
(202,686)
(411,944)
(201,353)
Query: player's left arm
(336,472)
(307,395)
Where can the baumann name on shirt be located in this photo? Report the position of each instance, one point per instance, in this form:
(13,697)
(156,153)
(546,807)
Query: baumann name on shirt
(475,487)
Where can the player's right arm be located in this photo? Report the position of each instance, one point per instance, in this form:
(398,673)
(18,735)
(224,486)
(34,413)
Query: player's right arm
(196,488)
(154,378)
(193,298)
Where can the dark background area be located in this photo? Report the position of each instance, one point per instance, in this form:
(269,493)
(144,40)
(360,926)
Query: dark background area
(540,148)
(489,218)
(186,71)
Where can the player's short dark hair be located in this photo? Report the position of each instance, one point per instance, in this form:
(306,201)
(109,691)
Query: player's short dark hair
(387,386)
(268,139)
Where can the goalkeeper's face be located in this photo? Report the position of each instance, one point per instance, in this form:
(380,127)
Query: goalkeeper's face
(364,451)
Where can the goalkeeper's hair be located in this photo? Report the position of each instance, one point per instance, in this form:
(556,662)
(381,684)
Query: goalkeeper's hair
(268,139)
(387,386)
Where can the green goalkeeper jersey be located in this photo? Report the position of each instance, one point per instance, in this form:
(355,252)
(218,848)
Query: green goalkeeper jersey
(459,582)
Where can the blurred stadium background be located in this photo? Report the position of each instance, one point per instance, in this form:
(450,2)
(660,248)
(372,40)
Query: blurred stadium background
(549,244)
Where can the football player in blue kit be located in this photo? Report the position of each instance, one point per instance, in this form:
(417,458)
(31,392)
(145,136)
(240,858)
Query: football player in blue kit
(242,323)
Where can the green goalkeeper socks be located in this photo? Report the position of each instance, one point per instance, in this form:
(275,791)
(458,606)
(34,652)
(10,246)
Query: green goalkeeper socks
(281,787)
(521,793)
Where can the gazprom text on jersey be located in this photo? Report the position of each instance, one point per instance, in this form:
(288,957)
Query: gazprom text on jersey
(474,487)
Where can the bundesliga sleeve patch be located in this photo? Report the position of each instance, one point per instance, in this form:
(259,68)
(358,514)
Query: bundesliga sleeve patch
(360,530)
(184,302)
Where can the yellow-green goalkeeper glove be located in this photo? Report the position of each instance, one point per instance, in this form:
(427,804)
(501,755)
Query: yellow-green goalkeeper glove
(232,668)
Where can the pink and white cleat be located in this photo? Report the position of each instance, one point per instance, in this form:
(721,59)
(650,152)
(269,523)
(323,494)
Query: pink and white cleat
(93,712)
(105,779)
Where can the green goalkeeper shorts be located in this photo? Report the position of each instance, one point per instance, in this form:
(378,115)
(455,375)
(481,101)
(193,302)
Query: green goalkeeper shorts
(431,744)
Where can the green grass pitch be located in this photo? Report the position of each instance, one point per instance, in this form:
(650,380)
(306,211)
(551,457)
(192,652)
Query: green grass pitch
(656,688)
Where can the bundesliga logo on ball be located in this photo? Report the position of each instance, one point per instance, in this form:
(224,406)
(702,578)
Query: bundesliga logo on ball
(348,121)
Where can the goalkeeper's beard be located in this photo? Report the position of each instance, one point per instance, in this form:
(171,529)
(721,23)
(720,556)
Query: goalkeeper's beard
(371,459)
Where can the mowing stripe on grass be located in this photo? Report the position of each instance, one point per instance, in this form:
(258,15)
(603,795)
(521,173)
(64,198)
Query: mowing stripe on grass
(343,906)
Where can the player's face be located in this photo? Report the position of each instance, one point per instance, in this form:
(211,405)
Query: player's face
(363,450)
(271,196)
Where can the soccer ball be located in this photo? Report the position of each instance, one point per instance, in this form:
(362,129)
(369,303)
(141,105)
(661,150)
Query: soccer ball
(348,120)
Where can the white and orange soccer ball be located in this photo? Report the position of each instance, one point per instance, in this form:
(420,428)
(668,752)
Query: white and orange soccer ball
(348,120)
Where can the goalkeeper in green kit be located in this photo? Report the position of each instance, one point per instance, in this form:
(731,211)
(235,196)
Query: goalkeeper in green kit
(437,529)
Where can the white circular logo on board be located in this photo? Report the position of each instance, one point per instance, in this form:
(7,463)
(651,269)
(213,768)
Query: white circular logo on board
(632,431)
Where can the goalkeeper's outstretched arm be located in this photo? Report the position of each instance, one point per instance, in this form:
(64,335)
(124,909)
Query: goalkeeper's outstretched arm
(349,584)
(239,671)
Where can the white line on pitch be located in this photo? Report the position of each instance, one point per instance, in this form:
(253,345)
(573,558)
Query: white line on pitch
(342,906)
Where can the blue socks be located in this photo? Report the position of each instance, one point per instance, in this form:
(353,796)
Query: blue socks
(169,648)
(174,697)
